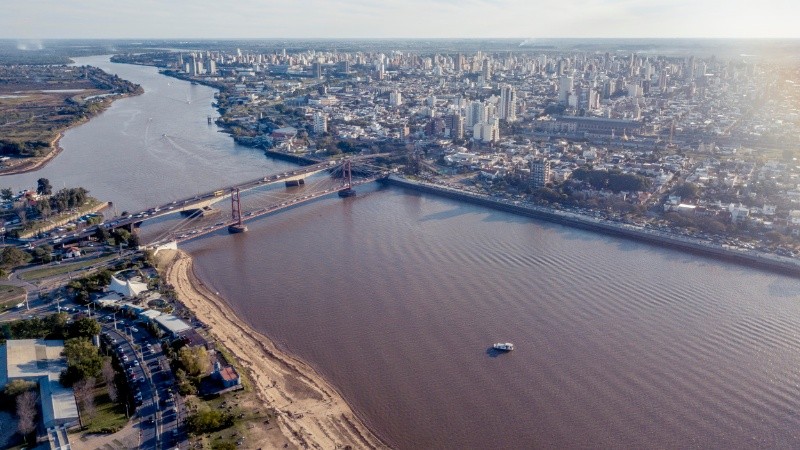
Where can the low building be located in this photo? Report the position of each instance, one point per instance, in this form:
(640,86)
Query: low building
(41,361)
(227,376)
(172,325)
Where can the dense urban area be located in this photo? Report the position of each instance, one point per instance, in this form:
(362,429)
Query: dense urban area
(98,345)
(700,146)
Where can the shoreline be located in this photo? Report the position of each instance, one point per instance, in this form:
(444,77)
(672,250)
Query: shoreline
(32,164)
(310,411)
(748,258)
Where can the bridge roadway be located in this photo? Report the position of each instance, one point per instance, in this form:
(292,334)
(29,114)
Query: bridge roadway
(185,235)
(200,200)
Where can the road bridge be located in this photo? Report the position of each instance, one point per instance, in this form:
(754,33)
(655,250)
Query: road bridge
(341,181)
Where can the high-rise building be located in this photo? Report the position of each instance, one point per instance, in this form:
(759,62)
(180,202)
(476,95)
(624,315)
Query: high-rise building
(486,70)
(476,113)
(395,98)
(454,123)
(316,70)
(564,89)
(508,103)
(211,67)
(540,173)
(320,123)
(486,131)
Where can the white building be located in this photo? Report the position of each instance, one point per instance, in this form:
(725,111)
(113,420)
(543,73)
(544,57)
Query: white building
(42,362)
(476,113)
(320,123)
(540,172)
(565,89)
(395,98)
(508,103)
(486,131)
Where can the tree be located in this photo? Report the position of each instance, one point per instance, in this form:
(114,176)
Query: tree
(26,411)
(102,235)
(43,209)
(109,374)
(6,194)
(194,360)
(84,327)
(84,396)
(83,361)
(134,241)
(17,387)
(43,254)
(43,187)
(686,190)
(121,235)
(12,257)
(208,421)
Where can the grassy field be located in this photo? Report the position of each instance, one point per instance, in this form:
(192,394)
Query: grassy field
(109,417)
(255,421)
(10,296)
(61,269)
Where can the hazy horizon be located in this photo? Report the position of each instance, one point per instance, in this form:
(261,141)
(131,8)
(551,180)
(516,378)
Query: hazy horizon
(395,19)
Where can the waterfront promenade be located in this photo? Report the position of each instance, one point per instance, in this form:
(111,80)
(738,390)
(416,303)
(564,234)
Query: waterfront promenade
(785,265)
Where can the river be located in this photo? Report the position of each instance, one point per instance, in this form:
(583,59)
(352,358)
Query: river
(395,297)
(149,148)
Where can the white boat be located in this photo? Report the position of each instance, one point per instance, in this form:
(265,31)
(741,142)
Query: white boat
(503,346)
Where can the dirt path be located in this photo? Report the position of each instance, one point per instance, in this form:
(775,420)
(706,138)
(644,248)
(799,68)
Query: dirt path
(312,414)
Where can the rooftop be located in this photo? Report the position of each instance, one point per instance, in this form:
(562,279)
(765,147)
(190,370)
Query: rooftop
(40,361)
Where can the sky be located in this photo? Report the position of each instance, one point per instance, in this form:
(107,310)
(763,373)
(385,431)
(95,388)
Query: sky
(47,19)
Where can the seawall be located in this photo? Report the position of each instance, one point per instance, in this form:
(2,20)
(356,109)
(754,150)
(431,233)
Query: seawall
(747,257)
(297,159)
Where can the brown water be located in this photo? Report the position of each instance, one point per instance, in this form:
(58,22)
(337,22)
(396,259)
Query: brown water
(395,297)
(151,148)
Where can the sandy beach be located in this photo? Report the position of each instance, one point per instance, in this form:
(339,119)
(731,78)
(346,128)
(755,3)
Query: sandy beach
(311,413)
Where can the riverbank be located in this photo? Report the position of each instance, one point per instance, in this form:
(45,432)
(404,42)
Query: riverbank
(24,165)
(33,163)
(775,263)
(311,413)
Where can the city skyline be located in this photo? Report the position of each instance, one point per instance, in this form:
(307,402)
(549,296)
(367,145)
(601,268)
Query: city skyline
(50,19)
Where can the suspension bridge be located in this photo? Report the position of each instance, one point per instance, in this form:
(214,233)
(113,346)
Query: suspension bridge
(247,201)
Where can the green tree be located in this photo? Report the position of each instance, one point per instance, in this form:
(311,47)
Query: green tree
(194,360)
(6,194)
(208,421)
(12,257)
(185,386)
(43,187)
(686,191)
(84,327)
(83,361)
(121,235)
(43,254)
(134,241)
(102,235)
(16,387)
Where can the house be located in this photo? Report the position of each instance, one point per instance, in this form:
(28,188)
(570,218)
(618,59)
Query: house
(72,252)
(226,375)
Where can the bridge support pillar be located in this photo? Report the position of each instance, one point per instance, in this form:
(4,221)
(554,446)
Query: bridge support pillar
(236,213)
(290,183)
